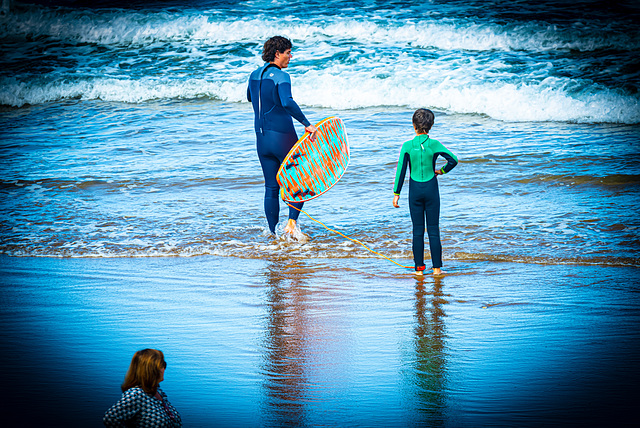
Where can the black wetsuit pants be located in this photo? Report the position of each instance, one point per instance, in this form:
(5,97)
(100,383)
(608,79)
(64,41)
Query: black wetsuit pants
(424,204)
(273,147)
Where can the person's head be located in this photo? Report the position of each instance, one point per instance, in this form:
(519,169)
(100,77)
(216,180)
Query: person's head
(146,371)
(423,120)
(277,50)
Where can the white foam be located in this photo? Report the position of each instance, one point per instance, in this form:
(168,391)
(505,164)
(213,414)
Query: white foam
(339,63)
(414,85)
(125,27)
(17,93)
(544,101)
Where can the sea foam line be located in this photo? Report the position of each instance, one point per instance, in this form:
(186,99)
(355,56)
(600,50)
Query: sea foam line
(235,248)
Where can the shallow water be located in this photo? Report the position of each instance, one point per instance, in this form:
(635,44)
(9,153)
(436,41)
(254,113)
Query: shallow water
(171,178)
(125,131)
(332,342)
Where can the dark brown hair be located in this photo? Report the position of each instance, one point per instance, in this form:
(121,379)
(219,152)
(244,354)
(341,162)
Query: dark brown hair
(423,120)
(276,43)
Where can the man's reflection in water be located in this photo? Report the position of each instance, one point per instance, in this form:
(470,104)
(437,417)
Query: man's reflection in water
(284,360)
(430,370)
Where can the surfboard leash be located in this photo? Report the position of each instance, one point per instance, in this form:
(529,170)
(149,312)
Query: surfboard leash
(347,237)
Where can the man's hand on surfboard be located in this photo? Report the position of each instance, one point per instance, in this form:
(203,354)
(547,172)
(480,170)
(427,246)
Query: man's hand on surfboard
(311,130)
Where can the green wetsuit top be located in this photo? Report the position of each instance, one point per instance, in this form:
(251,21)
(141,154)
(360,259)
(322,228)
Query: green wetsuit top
(420,155)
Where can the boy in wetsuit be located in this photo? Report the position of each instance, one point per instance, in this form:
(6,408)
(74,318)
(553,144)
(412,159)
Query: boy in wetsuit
(269,91)
(420,155)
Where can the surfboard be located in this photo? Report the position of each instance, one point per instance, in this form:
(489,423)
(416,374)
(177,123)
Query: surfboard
(311,168)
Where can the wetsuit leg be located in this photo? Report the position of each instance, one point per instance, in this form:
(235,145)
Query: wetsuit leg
(424,204)
(272,149)
(417,212)
(271,202)
(433,223)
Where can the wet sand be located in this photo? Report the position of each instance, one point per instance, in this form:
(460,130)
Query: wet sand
(332,342)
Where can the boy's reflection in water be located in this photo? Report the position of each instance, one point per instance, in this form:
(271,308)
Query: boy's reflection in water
(430,369)
(285,349)
(284,365)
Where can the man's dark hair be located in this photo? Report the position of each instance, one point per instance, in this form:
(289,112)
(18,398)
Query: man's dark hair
(423,120)
(276,43)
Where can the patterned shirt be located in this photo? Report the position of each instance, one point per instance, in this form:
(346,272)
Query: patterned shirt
(139,409)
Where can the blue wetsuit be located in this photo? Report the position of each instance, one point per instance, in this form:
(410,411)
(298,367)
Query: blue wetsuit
(270,93)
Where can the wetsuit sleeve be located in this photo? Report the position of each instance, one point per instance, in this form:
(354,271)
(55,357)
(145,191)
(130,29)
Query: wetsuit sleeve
(287,102)
(451,159)
(401,171)
(249,91)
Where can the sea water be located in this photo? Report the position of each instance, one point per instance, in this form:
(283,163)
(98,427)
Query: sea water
(125,135)
(126,132)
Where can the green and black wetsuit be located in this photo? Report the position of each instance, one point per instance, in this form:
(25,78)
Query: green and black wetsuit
(420,156)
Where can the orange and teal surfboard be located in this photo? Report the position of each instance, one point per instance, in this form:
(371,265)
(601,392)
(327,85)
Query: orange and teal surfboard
(313,167)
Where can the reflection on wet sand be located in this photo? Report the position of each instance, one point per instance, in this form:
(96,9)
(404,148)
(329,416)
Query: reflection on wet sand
(284,344)
(430,363)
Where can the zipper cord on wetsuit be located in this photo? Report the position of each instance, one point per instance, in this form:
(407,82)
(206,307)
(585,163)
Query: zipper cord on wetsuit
(422,144)
(345,236)
(260,96)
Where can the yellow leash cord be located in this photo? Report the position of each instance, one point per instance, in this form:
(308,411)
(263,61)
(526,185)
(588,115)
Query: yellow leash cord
(345,236)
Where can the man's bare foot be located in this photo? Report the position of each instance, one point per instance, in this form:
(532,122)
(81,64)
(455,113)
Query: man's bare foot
(290,228)
(292,232)
(419,273)
(437,271)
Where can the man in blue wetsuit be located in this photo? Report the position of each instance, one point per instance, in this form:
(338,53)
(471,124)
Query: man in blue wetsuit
(270,93)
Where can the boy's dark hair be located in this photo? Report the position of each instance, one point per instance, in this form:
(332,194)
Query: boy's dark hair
(276,43)
(423,120)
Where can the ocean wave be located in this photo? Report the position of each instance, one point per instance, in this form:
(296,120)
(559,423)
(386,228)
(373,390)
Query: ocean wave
(549,100)
(343,90)
(458,66)
(17,93)
(120,27)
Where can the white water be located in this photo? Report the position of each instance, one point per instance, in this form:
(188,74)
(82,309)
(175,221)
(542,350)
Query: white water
(513,71)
